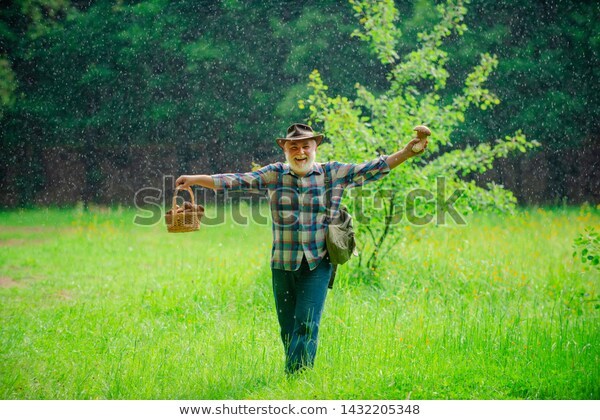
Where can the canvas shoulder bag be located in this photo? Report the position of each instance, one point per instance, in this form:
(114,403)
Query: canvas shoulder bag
(339,238)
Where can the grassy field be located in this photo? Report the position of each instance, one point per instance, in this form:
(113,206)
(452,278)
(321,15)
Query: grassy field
(93,306)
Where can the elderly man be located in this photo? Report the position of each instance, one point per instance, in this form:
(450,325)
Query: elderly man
(299,262)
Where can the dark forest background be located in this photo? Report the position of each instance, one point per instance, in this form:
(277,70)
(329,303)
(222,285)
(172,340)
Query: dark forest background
(99,99)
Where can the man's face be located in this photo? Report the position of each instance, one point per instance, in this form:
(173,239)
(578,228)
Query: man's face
(300,155)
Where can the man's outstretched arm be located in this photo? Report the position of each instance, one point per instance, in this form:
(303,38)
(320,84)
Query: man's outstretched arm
(404,154)
(186,181)
(247,181)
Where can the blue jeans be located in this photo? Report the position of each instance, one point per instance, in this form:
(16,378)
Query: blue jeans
(299,300)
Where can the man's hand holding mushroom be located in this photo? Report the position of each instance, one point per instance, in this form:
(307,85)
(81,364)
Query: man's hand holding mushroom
(419,144)
(409,149)
(414,147)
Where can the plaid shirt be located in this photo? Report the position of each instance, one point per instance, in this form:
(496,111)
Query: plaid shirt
(298,205)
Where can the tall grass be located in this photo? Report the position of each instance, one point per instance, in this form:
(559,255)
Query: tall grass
(93,306)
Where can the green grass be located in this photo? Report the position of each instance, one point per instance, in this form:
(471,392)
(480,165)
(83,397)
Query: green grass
(93,306)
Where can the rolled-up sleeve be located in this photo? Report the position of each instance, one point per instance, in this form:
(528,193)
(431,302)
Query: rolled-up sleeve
(258,180)
(349,175)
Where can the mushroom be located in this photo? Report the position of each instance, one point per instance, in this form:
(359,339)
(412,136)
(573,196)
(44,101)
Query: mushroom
(422,134)
(170,211)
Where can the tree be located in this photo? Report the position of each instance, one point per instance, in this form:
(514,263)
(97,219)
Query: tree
(204,78)
(22,22)
(546,80)
(372,125)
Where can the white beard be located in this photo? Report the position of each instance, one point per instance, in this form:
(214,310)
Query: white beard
(301,166)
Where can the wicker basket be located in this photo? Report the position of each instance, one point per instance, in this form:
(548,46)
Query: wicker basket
(186,221)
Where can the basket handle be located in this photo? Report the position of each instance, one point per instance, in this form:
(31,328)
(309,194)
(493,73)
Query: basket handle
(189,190)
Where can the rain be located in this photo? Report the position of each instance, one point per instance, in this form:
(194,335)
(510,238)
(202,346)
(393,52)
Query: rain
(105,103)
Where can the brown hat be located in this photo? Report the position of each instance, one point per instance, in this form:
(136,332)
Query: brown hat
(300,132)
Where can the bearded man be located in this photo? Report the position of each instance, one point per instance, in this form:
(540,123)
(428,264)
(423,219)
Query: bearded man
(300,264)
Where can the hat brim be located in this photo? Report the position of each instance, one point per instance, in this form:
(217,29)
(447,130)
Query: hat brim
(318,138)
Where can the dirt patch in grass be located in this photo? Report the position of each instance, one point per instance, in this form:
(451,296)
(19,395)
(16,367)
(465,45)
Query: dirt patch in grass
(25,229)
(64,295)
(20,242)
(31,235)
(6,282)
(36,229)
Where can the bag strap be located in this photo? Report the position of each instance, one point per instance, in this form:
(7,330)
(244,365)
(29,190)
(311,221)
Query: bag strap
(279,187)
(328,192)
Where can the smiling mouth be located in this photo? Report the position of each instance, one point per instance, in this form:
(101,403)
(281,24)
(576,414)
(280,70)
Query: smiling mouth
(301,159)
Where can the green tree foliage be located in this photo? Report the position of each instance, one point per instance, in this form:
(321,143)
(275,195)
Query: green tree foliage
(587,247)
(208,78)
(8,84)
(158,71)
(546,80)
(380,123)
(222,75)
(26,19)
(23,22)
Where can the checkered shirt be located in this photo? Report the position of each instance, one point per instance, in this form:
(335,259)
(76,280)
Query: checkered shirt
(298,206)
